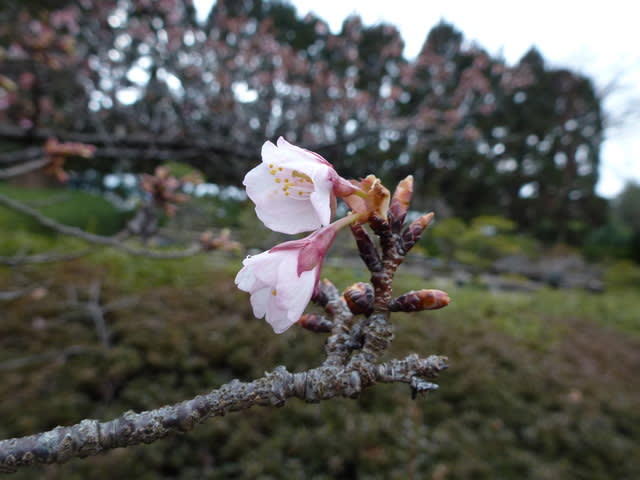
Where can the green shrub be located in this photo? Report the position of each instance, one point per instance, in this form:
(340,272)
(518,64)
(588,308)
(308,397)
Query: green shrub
(484,240)
(623,274)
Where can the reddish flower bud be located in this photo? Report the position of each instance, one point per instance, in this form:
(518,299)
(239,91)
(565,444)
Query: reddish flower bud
(315,322)
(400,203)
(418,300)
(359,298)
(413,232)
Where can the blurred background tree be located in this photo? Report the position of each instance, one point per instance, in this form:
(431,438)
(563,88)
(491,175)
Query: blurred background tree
(481,137)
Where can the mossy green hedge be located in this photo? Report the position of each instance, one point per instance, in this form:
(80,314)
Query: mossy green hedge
(541,386)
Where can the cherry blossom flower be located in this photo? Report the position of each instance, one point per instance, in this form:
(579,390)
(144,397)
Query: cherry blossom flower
(282,280)
(294,189)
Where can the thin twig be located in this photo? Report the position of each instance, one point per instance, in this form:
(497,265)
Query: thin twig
(17,260)
(23,168)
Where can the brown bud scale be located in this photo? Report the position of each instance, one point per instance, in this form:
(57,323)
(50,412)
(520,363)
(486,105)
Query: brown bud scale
(366,248)
(418,300)
(359,298)
(414,231)
(315,322)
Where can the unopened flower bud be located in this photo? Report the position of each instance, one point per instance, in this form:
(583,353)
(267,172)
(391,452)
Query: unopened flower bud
(418,300)
(359,298)
(413,232)
(400,203)
(315,322)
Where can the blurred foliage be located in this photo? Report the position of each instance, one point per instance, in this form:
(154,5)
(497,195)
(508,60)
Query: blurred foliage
(481,242)
(540,386)
(612,240)
(623,274)
(625,206)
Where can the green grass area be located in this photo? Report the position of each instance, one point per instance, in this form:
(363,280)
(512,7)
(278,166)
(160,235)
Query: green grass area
(70,207)
(540,385)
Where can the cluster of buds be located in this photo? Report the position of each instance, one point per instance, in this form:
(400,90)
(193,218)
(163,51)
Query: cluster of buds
(223,241)
(360,300)
(58,152)
(163,189)
(296,190)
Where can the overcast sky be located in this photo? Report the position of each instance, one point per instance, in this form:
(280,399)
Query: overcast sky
(599,39)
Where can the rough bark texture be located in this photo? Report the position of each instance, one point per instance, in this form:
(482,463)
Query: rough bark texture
(90,437)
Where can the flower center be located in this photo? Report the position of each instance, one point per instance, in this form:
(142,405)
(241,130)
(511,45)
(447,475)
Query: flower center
(292,183)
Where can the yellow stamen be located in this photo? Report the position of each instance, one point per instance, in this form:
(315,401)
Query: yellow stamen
(273,292)
(272,172)
(277,180)
(302,176)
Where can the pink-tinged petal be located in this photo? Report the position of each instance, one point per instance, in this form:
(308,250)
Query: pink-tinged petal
(290,156)
(266,266)
(297,151)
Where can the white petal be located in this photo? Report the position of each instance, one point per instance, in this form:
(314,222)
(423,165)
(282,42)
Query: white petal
(260,301)
(294,292)
(266,266)
(277,317)
(293,217)
(289,152)
(321,197)
(245,279)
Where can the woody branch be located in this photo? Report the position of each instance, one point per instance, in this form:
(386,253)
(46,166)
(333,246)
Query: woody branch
(353,349)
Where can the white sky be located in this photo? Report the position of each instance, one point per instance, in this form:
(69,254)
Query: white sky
(599,39)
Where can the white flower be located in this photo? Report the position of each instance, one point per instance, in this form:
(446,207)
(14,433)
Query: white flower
(282,280)
(278,293)
(293,188)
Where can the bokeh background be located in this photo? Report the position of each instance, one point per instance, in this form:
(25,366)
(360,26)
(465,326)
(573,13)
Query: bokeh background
(538,250)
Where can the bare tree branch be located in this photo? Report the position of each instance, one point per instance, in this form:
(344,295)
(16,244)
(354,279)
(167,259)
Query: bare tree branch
(23,168)
(17,260)
(91,437)
(25,155)
(133,142)
(353,351)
